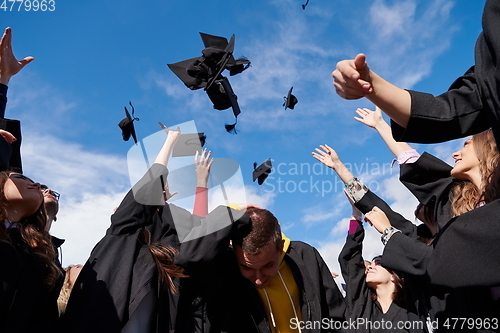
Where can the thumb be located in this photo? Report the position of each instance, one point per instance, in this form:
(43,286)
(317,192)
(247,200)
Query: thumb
(360,62)
(26,61)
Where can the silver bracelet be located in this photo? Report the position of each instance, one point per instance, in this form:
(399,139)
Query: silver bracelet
(356,189)
(387,234)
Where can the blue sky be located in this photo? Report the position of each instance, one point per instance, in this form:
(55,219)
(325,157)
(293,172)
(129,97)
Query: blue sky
(92,57)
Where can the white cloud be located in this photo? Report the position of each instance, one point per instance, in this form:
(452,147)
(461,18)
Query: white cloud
(404,39)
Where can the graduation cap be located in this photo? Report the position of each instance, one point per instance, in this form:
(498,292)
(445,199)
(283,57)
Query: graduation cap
(206,72)
(189,144)
(262,171)
(127,125)
(305,5)
(290,100)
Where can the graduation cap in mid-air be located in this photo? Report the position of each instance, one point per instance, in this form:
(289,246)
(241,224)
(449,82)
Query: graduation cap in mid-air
(305,5)
(189,144)
(206,72)
(127,125)
(290,100)
(262,171)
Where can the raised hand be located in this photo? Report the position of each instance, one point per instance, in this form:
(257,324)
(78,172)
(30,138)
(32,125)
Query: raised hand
(203,164)
(370,118)
(326,155)
(377,218)
(7,136)
(351,78)
(9,65)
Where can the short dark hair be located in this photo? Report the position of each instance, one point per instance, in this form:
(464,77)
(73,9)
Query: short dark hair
(264,230)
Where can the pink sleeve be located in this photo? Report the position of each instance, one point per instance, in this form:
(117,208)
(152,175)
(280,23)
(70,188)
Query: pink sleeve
(201,202)
(407,157)
(353,225)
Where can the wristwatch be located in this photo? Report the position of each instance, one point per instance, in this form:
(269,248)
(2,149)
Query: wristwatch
(387,234)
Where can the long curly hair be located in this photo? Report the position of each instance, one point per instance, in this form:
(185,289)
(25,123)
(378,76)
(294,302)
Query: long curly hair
(33,234)
(465,196)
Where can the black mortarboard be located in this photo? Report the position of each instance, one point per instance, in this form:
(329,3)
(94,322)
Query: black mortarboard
(223,97)
(206,72)
(127,125)
(189,144)
(305,5)
(290,100)
(262,171)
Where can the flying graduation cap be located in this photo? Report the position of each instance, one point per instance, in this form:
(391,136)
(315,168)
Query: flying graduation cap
(290,100)
(206,72)
(262,171)
(189,144)
(127,125)
(305,5)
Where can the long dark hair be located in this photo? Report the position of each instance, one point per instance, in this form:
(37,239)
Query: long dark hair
(33,234)
(164,259)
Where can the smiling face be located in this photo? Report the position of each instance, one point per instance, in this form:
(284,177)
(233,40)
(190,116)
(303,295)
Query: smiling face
(466,162)
(259,268)
(22,194)
(376,274)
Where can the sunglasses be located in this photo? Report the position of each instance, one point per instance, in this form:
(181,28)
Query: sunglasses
(54,193)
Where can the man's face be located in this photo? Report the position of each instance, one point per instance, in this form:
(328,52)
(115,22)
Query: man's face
(259,268)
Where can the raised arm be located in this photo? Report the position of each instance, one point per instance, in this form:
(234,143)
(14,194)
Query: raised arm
(375,120)
(166,150)
(353,79)
(9,65)
(329,157)
(203,164)
(352,266)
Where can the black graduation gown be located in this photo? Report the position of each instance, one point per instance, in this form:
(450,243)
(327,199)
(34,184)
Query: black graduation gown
(472,104)
(233,304)
(430,181)
(118,286)
(10,153)
(27,304)
(359,303)
(416,297)
(465,298)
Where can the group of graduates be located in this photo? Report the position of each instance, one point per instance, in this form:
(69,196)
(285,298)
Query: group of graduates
(161,268)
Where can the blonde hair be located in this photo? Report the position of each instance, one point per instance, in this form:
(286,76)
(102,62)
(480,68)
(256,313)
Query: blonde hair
(62,300)
(465,196)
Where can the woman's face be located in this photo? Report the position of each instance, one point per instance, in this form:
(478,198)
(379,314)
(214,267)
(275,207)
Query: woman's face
(466,162)
(20,191)
(376,274)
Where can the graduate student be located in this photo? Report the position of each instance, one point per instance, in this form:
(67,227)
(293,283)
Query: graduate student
(29,278)
(126,282)
(374,293)
(415,305)
(403,252)
(263,282)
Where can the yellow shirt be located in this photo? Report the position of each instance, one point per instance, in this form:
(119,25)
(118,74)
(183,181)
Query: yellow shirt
(281,298)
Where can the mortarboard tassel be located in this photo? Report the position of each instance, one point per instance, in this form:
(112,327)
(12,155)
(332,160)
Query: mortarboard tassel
(231,128)
(305,5)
